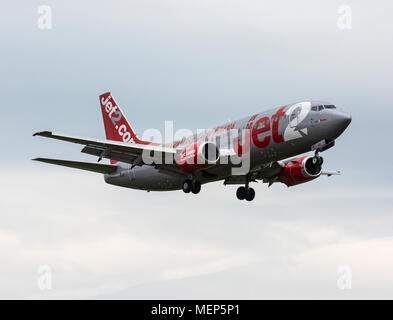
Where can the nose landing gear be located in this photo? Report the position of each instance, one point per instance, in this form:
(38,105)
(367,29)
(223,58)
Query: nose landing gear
(317,160)
(315,165)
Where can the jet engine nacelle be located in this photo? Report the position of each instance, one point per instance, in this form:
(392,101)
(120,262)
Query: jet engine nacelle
(301,170)
(199,156)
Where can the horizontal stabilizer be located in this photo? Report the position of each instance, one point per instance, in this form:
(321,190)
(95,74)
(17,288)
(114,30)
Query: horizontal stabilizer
(94,167)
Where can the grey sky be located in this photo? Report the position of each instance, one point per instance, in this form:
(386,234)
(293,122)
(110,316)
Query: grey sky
(197,63)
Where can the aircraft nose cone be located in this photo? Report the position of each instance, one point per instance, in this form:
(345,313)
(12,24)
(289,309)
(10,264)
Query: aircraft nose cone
(346,119)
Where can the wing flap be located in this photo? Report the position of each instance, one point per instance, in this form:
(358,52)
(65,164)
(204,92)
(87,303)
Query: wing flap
(94,167)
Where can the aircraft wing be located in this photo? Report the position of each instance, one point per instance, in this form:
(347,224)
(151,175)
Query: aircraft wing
(269,173)
(119,151)
(94,167)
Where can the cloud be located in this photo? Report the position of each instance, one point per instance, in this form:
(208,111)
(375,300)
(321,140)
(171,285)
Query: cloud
(104,241)
(224,59)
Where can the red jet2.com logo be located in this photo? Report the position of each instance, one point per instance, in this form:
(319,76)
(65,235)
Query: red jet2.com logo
(115,116)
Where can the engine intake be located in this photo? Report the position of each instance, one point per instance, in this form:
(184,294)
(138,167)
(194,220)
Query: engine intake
(301,170)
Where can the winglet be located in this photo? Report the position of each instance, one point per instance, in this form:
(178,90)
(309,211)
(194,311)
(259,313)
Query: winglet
(42,133)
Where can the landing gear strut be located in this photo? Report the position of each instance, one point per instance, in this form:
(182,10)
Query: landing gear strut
(191,186)
(245,193)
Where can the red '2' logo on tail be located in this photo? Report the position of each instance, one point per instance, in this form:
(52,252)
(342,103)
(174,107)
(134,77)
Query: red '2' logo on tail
(116,125)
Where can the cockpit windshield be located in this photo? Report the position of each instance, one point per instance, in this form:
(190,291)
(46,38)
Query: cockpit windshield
(321,107)
(317,108)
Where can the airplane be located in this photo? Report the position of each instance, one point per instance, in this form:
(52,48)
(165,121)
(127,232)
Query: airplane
(272,142)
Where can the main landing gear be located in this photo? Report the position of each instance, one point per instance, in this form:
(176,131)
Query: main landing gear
(245,193)
(193,186)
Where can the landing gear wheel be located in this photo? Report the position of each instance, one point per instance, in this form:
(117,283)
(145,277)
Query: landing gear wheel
(320,161)
(241,193)
(187,186)
(196,187)
(317,160)
(250,195)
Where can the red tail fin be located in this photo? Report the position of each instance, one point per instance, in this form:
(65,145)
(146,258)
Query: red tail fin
(117,127)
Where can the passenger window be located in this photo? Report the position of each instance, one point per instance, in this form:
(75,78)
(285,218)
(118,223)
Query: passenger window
(320,108)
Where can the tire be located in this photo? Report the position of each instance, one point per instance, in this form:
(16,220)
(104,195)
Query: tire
(320,161)
(187,186)
(241,193)
(196,187)
(250,194)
